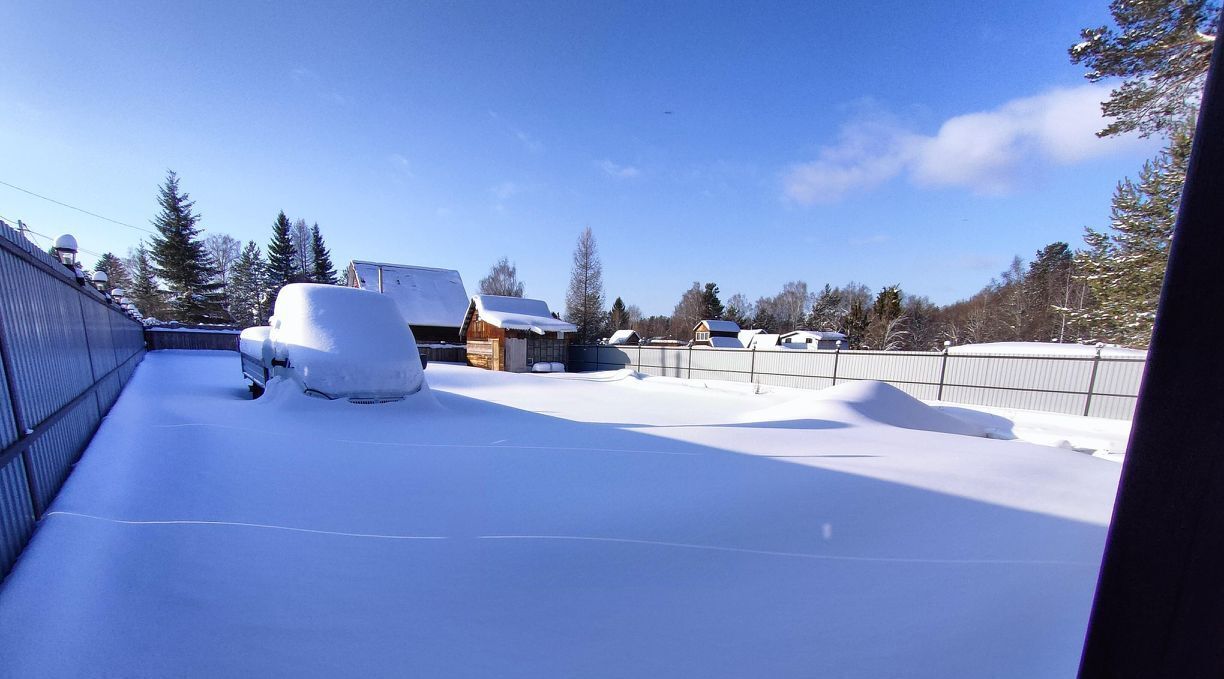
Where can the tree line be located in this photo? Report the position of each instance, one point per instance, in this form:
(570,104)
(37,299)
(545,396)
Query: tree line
(182,275)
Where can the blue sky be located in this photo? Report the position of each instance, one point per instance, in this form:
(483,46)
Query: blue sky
(890,142)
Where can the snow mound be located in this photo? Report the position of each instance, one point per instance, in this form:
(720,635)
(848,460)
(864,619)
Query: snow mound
(344,342)
(868,402)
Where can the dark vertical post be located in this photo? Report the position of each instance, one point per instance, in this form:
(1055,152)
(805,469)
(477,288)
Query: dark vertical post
(943,370)
(752,367)
(1159,607)
(639,365)
(1096,364)
(836,355)
(690,362)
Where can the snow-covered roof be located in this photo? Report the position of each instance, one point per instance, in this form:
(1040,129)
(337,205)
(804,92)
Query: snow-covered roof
(726,342)
(515,313)
(823,335)
(763,339)
(721,326)
(745,336)
(425,296)
(622,336)
(1045,349)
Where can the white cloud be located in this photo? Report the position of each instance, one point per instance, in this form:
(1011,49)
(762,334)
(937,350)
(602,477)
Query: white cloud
(619,171)
(985,152)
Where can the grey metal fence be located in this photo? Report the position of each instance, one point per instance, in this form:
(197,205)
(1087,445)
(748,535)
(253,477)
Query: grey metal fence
(192,338)
(1100,386)
(65,354)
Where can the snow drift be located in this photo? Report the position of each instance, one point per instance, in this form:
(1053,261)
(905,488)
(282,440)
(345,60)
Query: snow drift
(344,342)
(867,402)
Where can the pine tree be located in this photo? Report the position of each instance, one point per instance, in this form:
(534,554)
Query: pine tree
(249,288)
(116,273)
(282,258)
(143,290)
(856,323)
(618,317)
(502,280)
(180,259)
(1048,291)
(828,310)
(1162,49)
(322,270)
(711,306)
(886,329)
(1124,268)
(584,302)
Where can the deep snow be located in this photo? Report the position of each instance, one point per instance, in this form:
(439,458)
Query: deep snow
(551,525)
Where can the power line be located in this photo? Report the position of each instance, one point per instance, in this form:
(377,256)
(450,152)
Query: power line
(73,207)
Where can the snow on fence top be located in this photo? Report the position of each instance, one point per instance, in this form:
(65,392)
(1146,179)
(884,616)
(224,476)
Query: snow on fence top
(1046,349)
(345,341)
(515,313)
(425,296)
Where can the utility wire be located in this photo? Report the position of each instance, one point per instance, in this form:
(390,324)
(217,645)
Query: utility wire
(73,207)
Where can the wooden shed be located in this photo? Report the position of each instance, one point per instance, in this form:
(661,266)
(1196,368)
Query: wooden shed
(625,337)
(718,334)
(513,333)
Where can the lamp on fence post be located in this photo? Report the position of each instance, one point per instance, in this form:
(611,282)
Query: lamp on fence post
(66,250)
(100,281)
(1096,363)
(943,368)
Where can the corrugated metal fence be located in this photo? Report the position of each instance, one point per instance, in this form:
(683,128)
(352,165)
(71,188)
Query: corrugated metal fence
(1100,386)
(66,354)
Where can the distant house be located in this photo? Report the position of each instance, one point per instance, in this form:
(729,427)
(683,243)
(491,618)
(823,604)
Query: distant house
(762,340)
(808,339)
(745,336)
(431,300)
(718,334)
(513,333)
(629,337)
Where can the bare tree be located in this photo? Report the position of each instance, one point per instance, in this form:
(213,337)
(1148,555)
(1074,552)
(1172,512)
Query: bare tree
(502,280)
(303,251)
(223,250)
(687,312)
(584,302)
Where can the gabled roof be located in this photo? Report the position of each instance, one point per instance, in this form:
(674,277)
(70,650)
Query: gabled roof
(725,343)
(745,336)
(514,313)
(425,296)
(622,336)
(720,326)
(764,339)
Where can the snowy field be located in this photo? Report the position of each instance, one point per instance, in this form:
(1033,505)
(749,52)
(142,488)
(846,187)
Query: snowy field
(556,525)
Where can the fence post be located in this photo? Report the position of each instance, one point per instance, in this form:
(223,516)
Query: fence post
(943,368)
(639,363)
(836,355)
(690,362)
(1096,362)
(752,367)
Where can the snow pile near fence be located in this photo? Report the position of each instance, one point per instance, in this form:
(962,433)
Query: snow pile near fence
(867,402)
(345,341)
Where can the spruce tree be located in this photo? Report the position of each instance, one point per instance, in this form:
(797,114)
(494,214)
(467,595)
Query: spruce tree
(248,288)
(1124,267)
(711,306)
(116,273)
(322,270)
(584,301)
(180,260)
(282,258)
(143,290)
(828,311)
(618,317)
(856,323)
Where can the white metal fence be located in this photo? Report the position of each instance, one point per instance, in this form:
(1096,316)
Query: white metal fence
(1100,386)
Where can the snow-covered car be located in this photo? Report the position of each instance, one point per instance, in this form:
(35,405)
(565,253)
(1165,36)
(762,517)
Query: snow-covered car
(334,342)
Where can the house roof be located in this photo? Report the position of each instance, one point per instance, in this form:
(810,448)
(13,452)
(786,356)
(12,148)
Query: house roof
(725,343)
(745,336)
(763,339)
(425,296)
(514,313)
(621,336)
(827,335)
(721,326)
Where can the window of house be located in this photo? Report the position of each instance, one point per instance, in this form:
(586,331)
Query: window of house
(703,336)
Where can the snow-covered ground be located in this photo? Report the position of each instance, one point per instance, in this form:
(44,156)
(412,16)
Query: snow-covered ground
(555,525)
